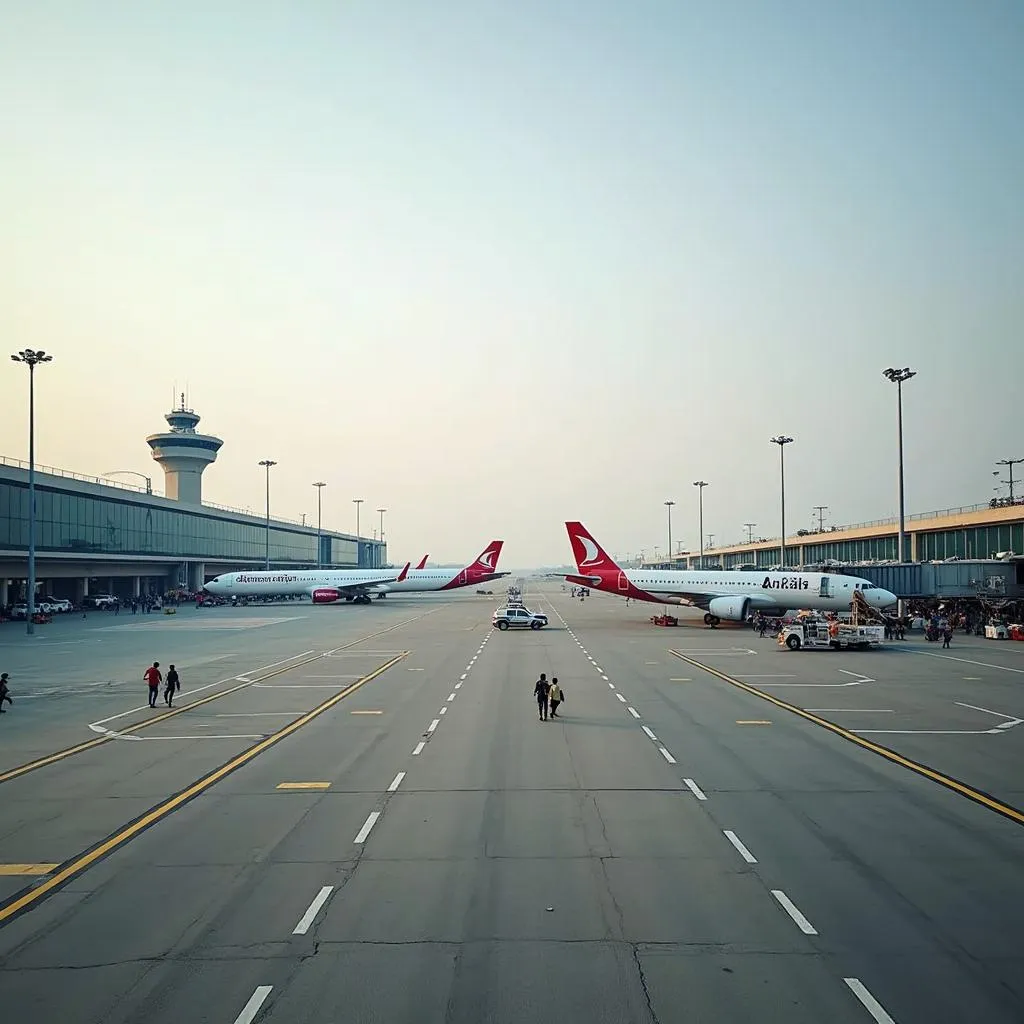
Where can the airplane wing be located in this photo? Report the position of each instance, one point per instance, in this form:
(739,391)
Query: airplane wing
(363,586)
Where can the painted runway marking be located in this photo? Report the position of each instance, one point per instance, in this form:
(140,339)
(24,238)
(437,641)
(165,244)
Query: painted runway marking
(967,661)
(27,869)
(433,725)
(451,696)
(738,843)
(790,908)
(650,734)
(303,785)
(251,1008)
(81,862)
(366,712)
(1009,719)
(680,679)
(868,1001)
(314,908)
(396,782)
(367,826)
(633,712)
(837,711)
(620,697)
(604,677)
(668,757)
(418,749)
(458,686)
(444,710)
(694,789)
(611,686)
(752,721)
(462,677)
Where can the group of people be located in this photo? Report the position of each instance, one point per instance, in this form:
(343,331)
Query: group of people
(154,677)
(549,696)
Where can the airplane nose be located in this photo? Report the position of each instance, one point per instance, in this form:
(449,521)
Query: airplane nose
(886,598)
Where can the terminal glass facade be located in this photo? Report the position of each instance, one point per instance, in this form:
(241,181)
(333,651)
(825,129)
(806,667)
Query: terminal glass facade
(971,542)
(70,522)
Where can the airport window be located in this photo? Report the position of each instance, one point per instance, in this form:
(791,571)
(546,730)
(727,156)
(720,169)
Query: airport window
(79,522)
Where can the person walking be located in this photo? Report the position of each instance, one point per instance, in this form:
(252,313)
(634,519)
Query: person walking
(540,691)
(173,684)
(153,675)
(555,696)
(5,693)
(947,635)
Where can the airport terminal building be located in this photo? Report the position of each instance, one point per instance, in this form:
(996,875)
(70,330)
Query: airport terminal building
(96,535)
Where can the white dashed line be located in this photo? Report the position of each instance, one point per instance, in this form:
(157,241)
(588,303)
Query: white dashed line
(633,712)
(396,782)
(743,851)
(869,1002)
(451,697)
(444,710)
(649,733)
(251,1008)
(694,789)
(462,677)
(611,686)
(604,677)
(668,757)
(620,697)
(314,908)
(418,749)
(788,906)
(433,725)
(458,686)
(367,826)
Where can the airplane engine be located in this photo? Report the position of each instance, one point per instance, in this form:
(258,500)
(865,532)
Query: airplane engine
(734,608)
(325,595)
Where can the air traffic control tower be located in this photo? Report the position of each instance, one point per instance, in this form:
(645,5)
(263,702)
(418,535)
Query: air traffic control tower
(184,455)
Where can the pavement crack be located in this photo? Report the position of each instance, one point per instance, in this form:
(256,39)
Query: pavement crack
(635,950)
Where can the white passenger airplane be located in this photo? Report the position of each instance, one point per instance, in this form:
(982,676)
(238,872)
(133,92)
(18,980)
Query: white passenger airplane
(326,586)
(323,586)
(721,594)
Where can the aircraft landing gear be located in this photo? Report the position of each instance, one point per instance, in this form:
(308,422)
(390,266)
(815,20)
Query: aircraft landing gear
(711,620)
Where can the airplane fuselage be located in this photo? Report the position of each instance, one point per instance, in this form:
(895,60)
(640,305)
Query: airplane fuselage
(734,595)
(275,583)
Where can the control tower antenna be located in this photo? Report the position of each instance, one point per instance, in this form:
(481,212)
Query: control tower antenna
(183,454)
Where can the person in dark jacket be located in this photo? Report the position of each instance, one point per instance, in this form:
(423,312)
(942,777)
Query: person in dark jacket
(540,691)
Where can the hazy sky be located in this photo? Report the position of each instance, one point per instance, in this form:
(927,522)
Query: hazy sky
(496,265)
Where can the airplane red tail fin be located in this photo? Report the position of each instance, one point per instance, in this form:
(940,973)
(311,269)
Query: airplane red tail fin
(423,563)
(403,573)
(588,553)
(488,559)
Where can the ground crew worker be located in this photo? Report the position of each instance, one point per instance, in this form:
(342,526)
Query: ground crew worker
(540,691)
(153,675)
(173,683)
(5,693)
(555,696)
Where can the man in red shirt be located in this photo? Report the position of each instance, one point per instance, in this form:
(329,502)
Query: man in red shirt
(153,676)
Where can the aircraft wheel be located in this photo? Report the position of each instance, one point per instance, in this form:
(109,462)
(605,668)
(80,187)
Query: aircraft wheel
(709,619)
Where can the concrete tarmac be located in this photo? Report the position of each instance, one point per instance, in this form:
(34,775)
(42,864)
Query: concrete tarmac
(672,848)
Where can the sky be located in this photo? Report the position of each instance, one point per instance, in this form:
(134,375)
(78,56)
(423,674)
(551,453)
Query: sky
(493,265)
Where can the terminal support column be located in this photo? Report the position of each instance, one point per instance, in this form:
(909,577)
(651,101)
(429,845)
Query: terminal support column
(3,593)
(197,576)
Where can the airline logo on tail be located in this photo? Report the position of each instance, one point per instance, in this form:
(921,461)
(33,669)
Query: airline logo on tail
(423,563)
(489,556)
(587,552)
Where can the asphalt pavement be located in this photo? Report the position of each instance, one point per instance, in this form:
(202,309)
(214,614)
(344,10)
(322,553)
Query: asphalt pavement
(357,815)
